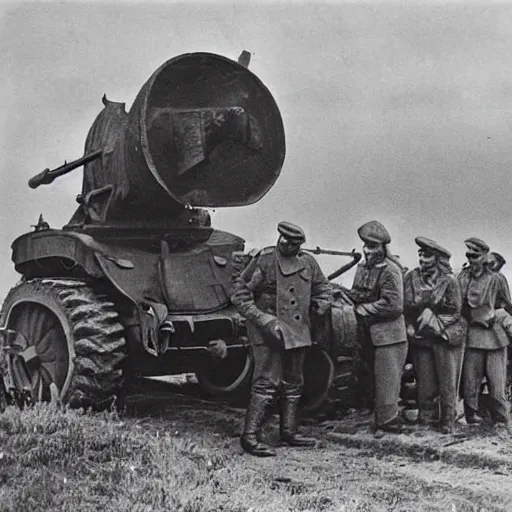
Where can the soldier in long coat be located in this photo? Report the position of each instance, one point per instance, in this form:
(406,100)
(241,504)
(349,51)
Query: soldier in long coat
(275,293)
(437,333)
(486,351)
(377,292)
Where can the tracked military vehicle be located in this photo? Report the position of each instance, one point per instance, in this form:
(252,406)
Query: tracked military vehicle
(138,282)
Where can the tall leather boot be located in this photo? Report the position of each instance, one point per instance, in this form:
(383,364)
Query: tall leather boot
(254,417)
(289,436)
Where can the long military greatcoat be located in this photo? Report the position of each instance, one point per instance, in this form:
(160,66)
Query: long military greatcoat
(443,299)
(380,289)
(279,287)
(481,295)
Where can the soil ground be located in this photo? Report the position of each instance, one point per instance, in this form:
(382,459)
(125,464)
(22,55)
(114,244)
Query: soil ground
(173,450)
(350,469)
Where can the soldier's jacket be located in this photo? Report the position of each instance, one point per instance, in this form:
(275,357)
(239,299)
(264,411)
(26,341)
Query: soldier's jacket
(443,300)
(284,288)
(506,301)
(481,296)
(379,289)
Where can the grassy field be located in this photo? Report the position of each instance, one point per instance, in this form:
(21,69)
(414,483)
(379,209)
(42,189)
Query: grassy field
(170,455)
(64,460)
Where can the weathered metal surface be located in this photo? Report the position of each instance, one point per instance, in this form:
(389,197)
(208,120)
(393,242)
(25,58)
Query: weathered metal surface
(203,131)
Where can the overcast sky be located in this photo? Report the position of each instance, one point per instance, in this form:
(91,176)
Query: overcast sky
(396,111)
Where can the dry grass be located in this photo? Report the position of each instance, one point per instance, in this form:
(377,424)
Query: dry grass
(66,460)
(186,460)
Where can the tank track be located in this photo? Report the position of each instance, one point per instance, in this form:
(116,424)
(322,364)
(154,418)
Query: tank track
(96,337)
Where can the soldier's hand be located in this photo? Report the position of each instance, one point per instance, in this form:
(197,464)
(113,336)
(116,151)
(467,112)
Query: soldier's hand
(218,349)
(361,310)
(320,307)
(273,329)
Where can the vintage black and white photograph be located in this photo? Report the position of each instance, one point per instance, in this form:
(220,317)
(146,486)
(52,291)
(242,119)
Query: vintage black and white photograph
(255,256)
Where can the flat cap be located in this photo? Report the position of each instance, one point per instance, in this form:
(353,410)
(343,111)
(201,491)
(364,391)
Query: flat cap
(291,231)
(433,246)
(477,245)
(374,231)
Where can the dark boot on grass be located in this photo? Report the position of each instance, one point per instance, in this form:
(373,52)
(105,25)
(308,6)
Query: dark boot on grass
(254,418)
(395,426)
(289,436)
(472,418)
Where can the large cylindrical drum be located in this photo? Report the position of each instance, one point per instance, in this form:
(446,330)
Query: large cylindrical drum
(203,131)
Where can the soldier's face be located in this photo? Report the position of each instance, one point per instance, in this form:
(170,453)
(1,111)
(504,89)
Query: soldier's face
(373,251)
(494,264)
(288,247)
(475,259)
(427,259)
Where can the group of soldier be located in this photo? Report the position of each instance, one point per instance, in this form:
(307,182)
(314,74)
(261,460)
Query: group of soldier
(454,328)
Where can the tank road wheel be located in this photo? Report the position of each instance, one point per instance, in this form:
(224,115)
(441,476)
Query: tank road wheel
(230,377)
(61,341)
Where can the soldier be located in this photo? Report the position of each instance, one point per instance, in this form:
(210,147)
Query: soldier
(437,333)
(496,263)
(377,292)
(275,293)
(486,350)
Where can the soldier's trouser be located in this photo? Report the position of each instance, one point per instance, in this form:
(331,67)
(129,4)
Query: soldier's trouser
(389,361)
(493,365)
(364,369)
(278,369)
(437,369)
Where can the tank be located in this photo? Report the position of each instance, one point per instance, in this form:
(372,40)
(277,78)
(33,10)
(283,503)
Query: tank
(138,282)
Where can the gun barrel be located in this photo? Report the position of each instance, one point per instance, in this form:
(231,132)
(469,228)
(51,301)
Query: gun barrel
(318,250)
(47,176)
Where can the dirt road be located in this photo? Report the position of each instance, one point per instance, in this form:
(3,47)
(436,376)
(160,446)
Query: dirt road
(348,471)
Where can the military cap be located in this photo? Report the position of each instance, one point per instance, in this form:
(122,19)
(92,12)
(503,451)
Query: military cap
(499,258)
(433,246)
(374,231)
(477,245)
(291,232)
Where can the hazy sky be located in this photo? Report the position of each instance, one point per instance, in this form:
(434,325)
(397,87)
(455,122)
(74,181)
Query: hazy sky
(399,111)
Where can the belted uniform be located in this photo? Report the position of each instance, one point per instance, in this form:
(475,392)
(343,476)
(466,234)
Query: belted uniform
(486,350)
(379,288)
(432,308)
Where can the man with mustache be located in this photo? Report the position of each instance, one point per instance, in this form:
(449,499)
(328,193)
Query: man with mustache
(275,293)
(377,293)
(486,350)
(437,333)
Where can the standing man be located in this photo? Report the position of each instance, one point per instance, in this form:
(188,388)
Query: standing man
(377,292)
(486,350)
(496,263)
(437,333)
(275,293)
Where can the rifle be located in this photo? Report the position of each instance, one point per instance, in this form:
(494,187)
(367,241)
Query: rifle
(319,250)
(47,176)
(356,256)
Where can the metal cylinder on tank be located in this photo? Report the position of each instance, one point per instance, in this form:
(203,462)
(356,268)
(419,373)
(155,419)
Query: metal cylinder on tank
(203,131)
